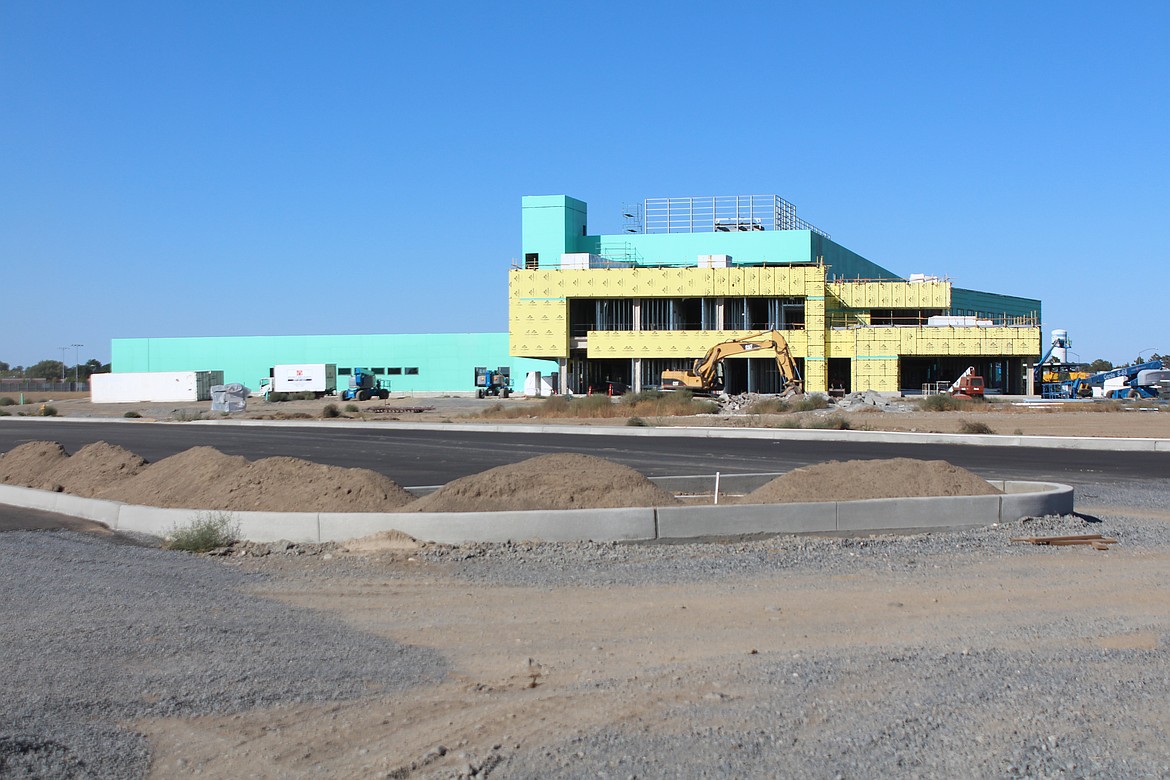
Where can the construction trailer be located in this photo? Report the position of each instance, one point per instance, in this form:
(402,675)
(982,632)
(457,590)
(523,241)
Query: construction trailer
(689,273)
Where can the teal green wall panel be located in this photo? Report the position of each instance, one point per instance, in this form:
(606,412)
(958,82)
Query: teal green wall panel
(993,304)
(845,264)
(445,361)
(771,246)
(552,225)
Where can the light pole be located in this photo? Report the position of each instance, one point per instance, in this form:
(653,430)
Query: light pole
(76,361)
(63,349)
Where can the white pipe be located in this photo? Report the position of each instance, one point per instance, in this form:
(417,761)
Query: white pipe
(716,487)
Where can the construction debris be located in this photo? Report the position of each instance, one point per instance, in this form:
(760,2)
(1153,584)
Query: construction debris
(399,409)
(1096,541)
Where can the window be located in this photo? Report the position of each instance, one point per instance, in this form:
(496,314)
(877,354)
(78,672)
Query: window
(532,260)
(393,371)
(411,371)
(344,371)
(377,371)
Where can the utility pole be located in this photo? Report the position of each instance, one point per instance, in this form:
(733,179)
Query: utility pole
(63,349)
(76,361)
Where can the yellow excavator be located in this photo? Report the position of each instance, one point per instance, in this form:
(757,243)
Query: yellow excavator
(705,376)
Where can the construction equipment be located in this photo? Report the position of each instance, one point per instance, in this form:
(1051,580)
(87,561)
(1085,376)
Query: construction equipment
(493,383)
(1144,380)
(706,375)
(364,385)
(1139,382)
(968,385)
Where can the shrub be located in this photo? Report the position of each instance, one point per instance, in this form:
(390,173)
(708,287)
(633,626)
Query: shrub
(810,403)
(636,422)
(132,415)
(186,415)
(5,414)
(941,403)
(276,397)
(48,411)
(302,396)
(769,406)
(652,395)
(974,426)
(207,531)
(7,401)
(352,408)
(330,410)
(832,422)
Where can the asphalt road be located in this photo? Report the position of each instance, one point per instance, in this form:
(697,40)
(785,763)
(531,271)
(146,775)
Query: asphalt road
(429,458)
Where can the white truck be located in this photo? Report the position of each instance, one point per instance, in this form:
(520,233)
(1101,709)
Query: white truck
(316,378)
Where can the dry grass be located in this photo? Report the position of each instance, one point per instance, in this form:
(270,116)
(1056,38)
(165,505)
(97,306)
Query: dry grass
(948,403)
(641,405)
(834,422)
(975,426)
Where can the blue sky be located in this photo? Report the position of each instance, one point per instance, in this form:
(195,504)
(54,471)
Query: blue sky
(224,168)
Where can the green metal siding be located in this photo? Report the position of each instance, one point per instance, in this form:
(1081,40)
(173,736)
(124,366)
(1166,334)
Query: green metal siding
(993,304)
(445,361)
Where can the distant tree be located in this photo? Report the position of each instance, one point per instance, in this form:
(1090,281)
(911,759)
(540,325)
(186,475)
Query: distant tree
(46,369)
(1100,365)
(3,366)
(94,366)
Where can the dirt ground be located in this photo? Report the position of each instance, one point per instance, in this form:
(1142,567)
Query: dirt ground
(1003,416)
(639,646)
(532,665)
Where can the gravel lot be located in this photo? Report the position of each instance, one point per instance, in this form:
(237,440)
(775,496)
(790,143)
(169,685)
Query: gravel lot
(953,654)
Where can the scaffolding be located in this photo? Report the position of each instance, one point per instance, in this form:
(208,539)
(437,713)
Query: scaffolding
(718,213)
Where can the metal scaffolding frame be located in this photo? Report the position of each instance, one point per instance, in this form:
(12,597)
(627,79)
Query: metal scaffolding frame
(717,213)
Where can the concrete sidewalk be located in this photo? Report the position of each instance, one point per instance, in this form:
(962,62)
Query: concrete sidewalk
(1112,444)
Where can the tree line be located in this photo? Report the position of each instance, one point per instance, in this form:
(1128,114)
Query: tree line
(53,370)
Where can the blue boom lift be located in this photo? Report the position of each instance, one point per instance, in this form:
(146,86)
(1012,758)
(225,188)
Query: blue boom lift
(490,382)
(1140,381)
(364,385)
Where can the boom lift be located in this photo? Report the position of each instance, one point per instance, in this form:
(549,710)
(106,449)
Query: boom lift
(493,383)
(706,377)
(1140,381)
(363,386)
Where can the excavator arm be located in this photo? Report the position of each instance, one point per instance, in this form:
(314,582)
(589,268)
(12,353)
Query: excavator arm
(704,375)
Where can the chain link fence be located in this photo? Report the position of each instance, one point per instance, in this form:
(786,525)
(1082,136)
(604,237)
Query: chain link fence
(42,386)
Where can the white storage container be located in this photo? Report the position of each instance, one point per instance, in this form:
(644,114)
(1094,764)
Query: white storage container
(153,386)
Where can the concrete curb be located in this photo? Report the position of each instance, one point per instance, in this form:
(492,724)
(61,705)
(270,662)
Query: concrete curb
(1103,444)
(1020,499)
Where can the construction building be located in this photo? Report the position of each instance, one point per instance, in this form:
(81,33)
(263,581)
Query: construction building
(687,273)
(405,363)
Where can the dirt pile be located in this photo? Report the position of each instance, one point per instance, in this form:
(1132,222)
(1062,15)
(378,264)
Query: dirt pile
(205,478)
(563,481)
(95,468)
(32,464)
(855,480)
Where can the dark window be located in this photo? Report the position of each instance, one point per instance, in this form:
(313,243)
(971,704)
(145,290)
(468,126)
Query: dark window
(344,371)
(377,371)
(532,261)
(394,371)
(412,370)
